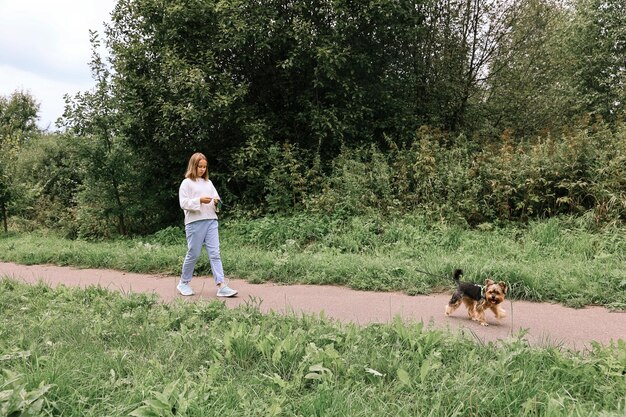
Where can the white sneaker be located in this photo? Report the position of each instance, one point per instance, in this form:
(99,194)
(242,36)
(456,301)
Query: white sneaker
(226,291)
(184,289)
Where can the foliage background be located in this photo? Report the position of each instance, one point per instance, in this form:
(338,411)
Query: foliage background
(482,111)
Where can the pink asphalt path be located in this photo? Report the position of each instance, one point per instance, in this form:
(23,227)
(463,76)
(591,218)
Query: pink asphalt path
(545,324)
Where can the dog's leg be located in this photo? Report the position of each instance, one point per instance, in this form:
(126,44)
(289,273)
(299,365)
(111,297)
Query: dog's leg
(480,314)
(499,312)
(471,308)
(453,304)
(482,320)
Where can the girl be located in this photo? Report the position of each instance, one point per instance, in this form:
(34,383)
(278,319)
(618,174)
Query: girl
(199,199)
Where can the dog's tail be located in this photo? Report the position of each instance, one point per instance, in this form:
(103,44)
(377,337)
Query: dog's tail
(457,275)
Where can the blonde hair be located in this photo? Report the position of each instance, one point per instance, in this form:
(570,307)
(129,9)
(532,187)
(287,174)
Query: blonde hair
(192,167)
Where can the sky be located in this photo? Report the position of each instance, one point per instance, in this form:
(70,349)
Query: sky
(45,49)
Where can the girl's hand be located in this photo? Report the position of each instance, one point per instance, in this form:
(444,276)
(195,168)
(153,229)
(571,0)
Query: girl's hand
(205,200)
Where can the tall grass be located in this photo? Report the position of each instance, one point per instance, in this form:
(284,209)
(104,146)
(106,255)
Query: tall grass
(561,259)
(93,352)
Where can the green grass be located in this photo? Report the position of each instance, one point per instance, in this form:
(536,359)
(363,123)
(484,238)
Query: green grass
(565,260)
(92,352)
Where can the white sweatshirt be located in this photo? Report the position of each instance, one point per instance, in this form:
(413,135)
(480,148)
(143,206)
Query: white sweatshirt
(189,195)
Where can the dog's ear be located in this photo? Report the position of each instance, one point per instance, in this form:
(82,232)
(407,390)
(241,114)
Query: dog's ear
(502,285)
(489,282)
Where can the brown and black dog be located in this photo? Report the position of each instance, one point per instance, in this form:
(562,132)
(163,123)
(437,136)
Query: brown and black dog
(478,298)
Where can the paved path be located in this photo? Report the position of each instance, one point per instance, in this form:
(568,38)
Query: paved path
(546,324)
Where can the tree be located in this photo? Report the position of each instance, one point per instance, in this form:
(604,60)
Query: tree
(18,117)
(49,198)
(530,87)
(234,78)
(230,78)
(598,41)
(108,164)
(457,56)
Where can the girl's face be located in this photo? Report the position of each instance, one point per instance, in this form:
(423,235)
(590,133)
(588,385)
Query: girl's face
(201,168)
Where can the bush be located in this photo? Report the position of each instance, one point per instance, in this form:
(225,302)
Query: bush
(580,172)
(170,236)
(440,176)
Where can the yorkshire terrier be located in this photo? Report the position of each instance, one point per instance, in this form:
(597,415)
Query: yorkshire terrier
(478,298)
